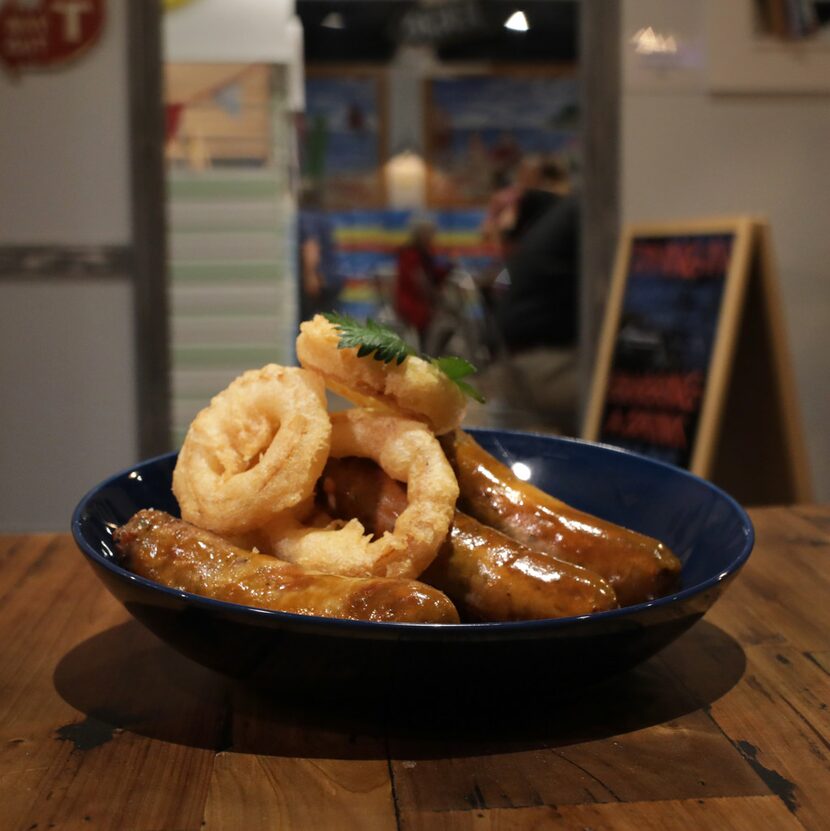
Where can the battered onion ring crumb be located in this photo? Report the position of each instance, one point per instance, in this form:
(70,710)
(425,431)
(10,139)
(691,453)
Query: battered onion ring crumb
(414,389)
(258,449)
(408,452)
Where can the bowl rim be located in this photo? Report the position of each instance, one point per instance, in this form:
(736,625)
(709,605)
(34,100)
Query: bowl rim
(391,627)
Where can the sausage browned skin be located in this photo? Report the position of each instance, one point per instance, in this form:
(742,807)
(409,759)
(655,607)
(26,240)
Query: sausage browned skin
(173,552)
(489,576)
(638,567)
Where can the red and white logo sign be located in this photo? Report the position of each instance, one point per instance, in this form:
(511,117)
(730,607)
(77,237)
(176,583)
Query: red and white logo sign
(37,34)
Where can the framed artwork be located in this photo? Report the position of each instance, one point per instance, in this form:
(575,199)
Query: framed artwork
(343,136)
(745,56)
(479,127)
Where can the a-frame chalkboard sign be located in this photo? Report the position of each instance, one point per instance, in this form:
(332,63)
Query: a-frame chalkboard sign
(693,365)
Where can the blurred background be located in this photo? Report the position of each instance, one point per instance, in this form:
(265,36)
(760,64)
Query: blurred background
(182,182)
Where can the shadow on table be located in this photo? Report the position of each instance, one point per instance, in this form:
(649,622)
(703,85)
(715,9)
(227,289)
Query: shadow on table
(125,679)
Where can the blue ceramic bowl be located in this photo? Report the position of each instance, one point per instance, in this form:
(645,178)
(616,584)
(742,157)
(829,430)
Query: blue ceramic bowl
(707,529)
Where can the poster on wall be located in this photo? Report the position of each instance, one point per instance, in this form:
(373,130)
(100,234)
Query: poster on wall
(46,34)
(480,128)
(342,139)
(768,46)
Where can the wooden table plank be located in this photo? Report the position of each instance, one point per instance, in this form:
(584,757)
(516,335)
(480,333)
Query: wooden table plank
(817,515)
(289,768)
(614,742)
(102,726)
(251,791)
(149,784)
(777,717)
(759,813)
(687,757)
(777,714)
(19,555)
(775,597)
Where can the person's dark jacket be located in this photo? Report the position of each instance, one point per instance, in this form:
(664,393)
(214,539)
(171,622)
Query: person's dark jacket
(540,308)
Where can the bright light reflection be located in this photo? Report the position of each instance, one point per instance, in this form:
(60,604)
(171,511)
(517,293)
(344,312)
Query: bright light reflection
(533,569)
(649,42)
(510,494)
(517,22)
(521,470)
(575,525)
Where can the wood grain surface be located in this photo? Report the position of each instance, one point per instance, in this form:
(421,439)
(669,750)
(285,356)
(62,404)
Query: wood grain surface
(104,727)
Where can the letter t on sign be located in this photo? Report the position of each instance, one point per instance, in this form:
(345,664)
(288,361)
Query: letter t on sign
(72,11)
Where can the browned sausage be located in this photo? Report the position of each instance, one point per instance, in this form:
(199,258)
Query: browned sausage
(173,552)
(638,567)
(489,576)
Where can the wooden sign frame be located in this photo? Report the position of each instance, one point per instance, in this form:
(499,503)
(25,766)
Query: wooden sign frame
(748,436)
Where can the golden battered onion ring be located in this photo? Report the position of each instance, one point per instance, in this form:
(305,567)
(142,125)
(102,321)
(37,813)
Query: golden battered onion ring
(258,449)
(414,389)
(408,452)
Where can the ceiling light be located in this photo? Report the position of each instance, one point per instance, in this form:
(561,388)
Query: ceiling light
(333,20)
(517,22)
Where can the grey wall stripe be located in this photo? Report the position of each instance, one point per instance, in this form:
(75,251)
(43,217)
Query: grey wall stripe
(71,261)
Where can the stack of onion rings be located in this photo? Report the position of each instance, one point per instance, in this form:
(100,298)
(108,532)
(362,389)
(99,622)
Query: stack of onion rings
(255,452)
(407,451)
(251,460)
(414,389)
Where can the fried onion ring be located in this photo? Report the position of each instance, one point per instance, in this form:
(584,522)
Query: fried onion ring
(408,452)
(257,450)
(414,389)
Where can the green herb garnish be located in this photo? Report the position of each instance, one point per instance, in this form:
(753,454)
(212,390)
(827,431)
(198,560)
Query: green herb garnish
(457,369)
(382,344)
(370,338)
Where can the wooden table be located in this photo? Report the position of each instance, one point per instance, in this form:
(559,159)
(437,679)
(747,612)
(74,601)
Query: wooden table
(104,727)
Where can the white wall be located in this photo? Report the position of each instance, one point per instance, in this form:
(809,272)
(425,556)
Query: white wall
(63,148)
(67,400)
(67,409)
(687,151)
(218,31)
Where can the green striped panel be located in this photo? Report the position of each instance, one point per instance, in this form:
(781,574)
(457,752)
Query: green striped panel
(224,357)
(224,189)
(266,228)
(228,272)
(256,312)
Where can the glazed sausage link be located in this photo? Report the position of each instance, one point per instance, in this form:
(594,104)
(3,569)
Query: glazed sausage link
(176,554)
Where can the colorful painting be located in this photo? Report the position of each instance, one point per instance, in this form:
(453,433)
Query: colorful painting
(367,244)
(342,140)
(479,128)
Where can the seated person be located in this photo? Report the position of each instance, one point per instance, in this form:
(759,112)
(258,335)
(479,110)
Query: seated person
(537,317)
